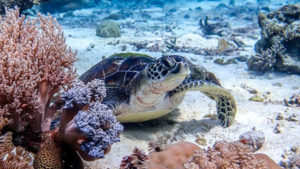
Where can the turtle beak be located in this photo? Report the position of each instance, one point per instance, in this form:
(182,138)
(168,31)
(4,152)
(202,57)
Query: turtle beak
(180,68)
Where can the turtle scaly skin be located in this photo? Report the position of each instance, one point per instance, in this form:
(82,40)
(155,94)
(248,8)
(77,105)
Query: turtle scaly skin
(141,88)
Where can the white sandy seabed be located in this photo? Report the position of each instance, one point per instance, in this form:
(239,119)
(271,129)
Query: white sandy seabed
(188,122)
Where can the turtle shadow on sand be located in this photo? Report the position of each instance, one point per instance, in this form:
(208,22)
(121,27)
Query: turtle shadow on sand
(168,128)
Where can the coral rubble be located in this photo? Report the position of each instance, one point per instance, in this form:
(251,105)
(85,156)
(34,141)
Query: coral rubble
(279,46)
(212,28)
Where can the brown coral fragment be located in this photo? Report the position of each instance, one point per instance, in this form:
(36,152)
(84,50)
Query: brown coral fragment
(134,161)
(3,122)
(12,157)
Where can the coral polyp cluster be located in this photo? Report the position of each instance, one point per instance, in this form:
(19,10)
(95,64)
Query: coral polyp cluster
(225,155)
(49,156)
(86,124)
(11,156)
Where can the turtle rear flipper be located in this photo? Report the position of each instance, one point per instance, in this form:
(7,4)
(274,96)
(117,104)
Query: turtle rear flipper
(226,106)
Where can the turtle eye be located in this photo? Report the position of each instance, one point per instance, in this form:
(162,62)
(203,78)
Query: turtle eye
(166,64)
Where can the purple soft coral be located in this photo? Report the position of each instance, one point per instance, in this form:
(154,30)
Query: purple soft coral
(97,87)
(101,128)
(79,94)
(86,124)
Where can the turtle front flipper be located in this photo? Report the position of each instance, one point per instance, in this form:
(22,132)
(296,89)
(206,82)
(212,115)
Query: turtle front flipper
(226,106)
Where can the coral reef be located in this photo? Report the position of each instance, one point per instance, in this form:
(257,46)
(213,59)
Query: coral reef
(85,124)
(35,64)
(185,155)
(279,46)
(108,29)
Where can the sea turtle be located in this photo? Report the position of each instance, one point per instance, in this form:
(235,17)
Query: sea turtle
(141,88)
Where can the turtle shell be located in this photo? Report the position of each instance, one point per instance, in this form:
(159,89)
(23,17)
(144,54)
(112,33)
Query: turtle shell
(120,72)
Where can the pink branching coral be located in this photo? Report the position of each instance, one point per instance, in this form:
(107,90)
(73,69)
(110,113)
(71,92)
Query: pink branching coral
(233,155)
(35,64)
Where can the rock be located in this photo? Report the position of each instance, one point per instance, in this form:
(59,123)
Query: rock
(292,118)
(278,128)
(241,58)
(255,139)
(279,117)
(277,84)
(257,98)
(249,89)
(201,141)
(279,46)
(113,16)
(222,44)
(108,29)
(221,61)
(291,158)
(294,101)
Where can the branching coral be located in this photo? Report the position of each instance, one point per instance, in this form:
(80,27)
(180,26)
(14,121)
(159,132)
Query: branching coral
(35,65)
(226,155)
(12,157)
(279,46)
(87,125)
(134,161)
(185,155)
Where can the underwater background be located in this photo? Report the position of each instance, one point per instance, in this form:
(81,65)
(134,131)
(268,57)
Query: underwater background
(251,46)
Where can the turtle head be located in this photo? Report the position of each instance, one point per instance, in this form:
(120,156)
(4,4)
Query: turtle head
(167,72)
